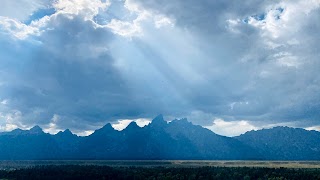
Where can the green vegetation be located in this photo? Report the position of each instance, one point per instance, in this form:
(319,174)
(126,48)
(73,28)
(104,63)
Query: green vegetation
(107,172)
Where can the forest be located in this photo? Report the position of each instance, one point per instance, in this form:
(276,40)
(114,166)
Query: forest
(137,173)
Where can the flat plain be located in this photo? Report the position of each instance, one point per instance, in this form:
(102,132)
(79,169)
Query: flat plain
(7,164)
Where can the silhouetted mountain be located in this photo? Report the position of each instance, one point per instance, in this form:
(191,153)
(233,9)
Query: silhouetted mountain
(68,144)
(284,143)
(28,144)
(178,139)
(206,144)
(104,143)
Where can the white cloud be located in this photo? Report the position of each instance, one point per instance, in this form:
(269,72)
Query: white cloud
(135,27)
(231,128)
(285,18)
(123,123)
(4,102)
(315,128)
(85,8)
(142,122)
(10,121)
(52,127)
(163,21)
(123,28)
(84,133)
(232,25)
(17,29)
(8,127)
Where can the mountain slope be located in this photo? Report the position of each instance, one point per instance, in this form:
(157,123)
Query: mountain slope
(284,143)
(209,145)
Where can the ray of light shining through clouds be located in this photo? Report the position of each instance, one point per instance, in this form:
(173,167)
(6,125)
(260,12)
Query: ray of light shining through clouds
(228,66)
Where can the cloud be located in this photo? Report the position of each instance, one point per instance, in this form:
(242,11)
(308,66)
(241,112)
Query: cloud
(93,62)
(232,128)
(253,56)
(21,9)
(16,28)
(10,120)
(126,29)
(123,123)
(315,128)
(87,9)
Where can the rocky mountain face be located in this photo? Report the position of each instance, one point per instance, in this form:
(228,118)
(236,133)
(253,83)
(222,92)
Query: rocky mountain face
(178,139)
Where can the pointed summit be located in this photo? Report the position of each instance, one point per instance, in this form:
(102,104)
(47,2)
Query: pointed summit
(107,127)
(67,131)
(36,130)
(132,126)
(158,118)
(158,121)
(105,130)
(65,134)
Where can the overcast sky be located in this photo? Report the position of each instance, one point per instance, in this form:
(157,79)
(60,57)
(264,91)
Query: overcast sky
(229,66)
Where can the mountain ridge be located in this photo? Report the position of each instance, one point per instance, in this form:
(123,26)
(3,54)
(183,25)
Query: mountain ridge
(178,139)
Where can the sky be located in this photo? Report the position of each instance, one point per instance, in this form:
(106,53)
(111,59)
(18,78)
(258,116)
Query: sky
(228,66)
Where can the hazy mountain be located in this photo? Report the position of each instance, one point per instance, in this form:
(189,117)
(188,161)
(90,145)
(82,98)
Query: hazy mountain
(284,143)
(178,139)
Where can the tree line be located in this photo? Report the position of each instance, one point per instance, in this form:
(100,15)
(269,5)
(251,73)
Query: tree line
(154,173)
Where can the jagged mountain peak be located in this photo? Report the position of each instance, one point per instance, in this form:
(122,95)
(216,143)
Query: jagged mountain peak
(179,139)
(132,126)
(158,121)
(66,132)
(106,129)
(108,126)
(158,118)
(36,130)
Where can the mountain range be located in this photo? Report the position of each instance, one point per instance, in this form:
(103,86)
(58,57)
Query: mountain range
(178,139)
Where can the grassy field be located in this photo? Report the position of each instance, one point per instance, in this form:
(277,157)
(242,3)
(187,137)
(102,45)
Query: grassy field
(163,163)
